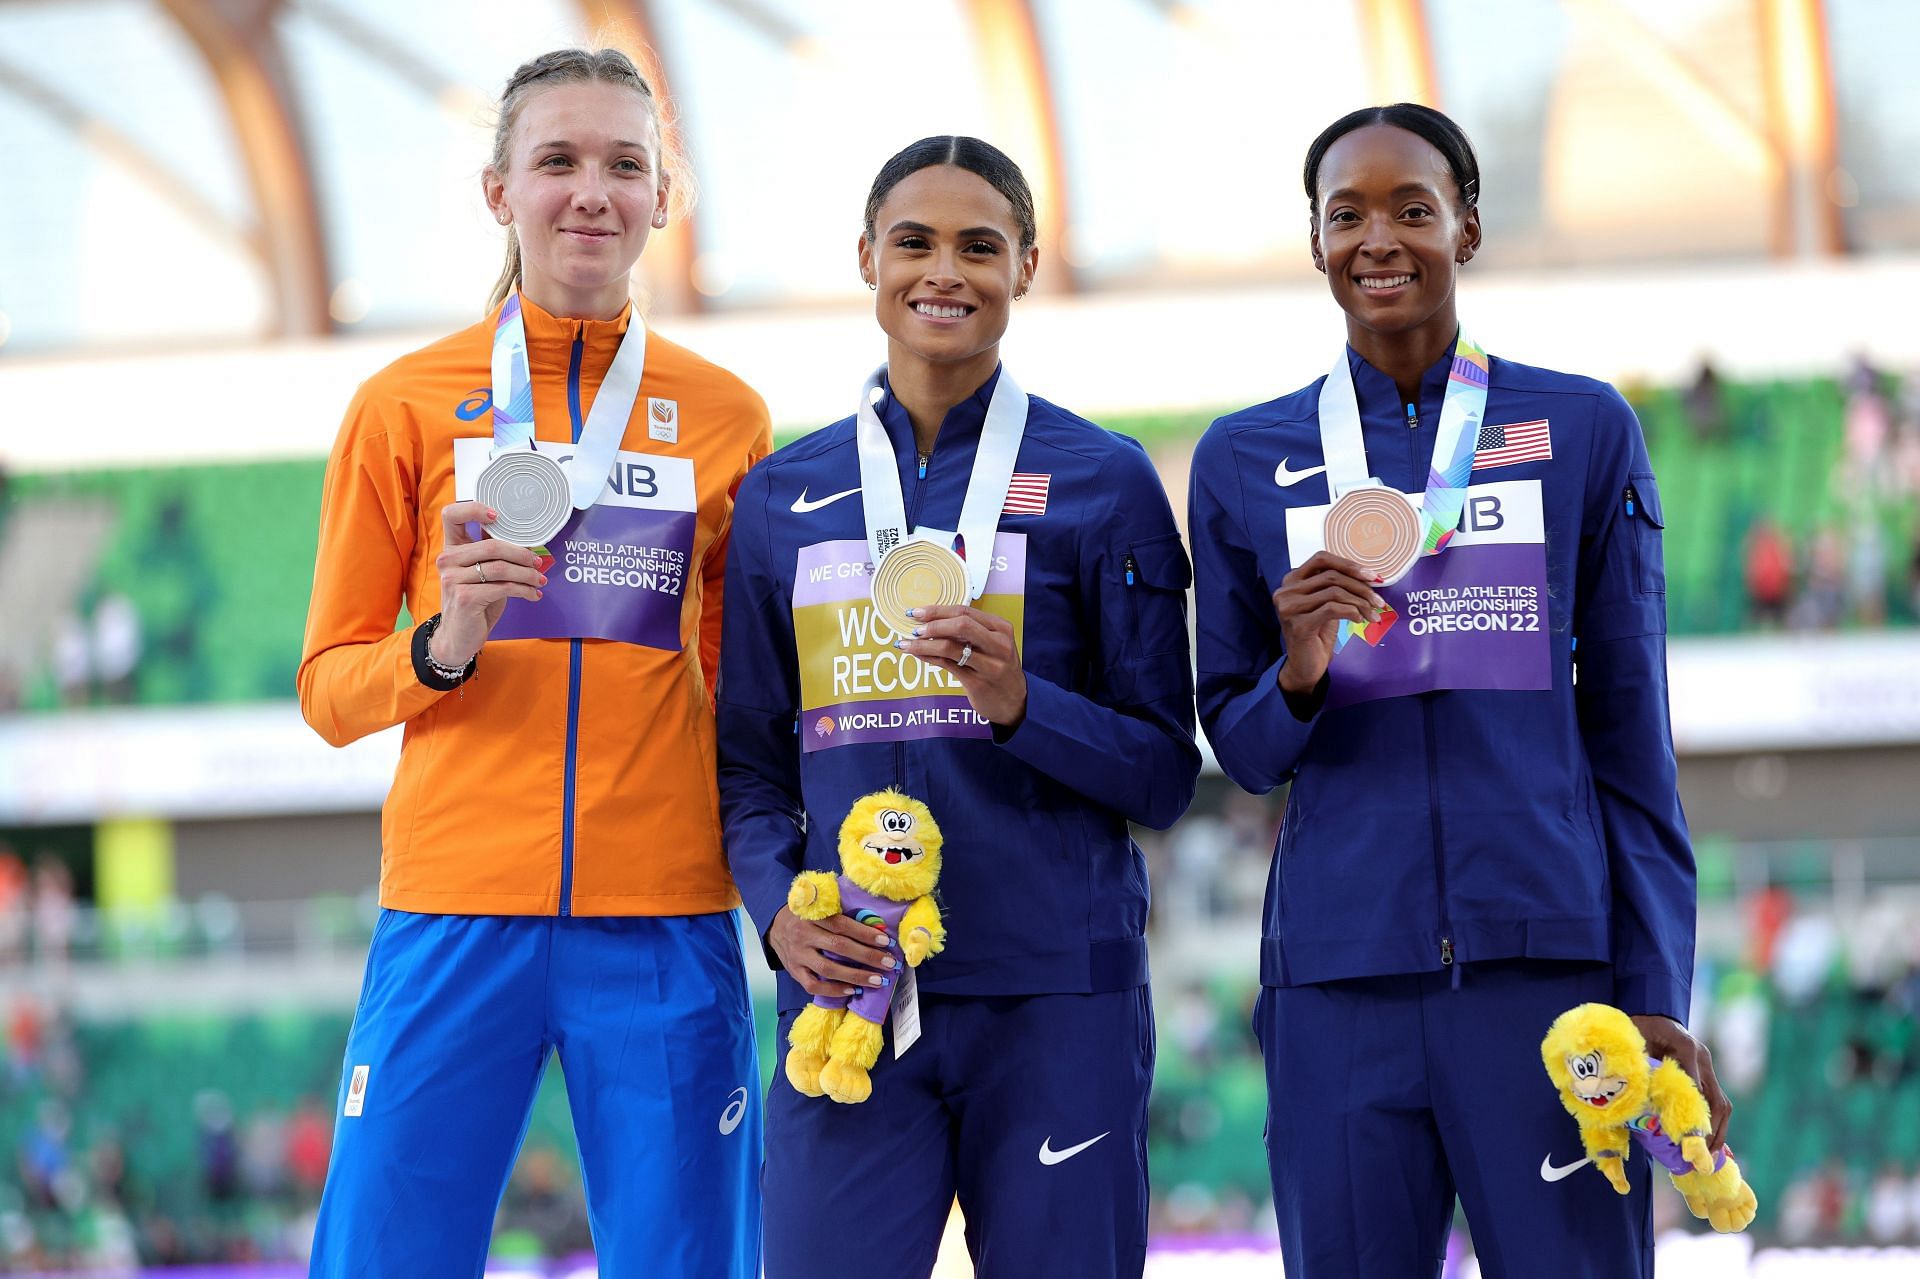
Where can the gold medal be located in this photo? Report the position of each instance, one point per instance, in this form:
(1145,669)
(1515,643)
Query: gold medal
(1378,529)
(530,491)
(917,574)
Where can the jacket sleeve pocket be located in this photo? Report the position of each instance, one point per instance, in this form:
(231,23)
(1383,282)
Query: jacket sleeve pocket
(1158,575)
(1648,521)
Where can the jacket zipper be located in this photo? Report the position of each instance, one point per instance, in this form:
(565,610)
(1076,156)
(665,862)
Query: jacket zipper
(1433,779)
(569,782)
(1439,853)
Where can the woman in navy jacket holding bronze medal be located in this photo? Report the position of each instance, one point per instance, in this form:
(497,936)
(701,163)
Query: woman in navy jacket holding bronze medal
(1399,571)
(1037,699)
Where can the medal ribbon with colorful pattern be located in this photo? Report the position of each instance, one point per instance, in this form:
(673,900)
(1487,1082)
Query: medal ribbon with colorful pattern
(1461,412)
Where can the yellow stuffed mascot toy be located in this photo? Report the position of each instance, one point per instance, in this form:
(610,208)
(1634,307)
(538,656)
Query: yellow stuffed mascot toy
(1598,1060)
(889,863)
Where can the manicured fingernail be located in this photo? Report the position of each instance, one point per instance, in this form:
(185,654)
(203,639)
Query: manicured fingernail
(1379,580)
(889,961)
(876,980)
(913,612)
(918,632)
(492,514)
(1377,601)
(543,579)
(899,643)
(539,595)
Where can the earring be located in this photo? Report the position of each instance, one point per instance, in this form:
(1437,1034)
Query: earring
(872,286)
(659,219)
(501,218)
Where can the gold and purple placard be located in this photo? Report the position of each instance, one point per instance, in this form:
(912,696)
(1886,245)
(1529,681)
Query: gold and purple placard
(855,686)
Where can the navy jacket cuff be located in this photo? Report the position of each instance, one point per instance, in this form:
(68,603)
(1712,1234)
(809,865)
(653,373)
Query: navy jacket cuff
(1652,995)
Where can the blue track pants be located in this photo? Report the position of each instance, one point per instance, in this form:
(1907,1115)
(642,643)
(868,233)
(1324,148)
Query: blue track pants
(457,1016)
(1032,1109)
(1387,1096)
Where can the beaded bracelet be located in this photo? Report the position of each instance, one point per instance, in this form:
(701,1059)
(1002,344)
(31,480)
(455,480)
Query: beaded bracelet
(431,672)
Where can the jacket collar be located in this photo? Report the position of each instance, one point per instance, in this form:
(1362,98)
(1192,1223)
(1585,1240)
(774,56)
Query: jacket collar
(961,425)
(1379,398)
(550,337)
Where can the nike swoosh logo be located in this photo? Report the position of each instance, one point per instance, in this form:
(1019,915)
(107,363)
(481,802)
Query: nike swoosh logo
(801,505)
(736,1111)
(1049,1156)
(1287,479)
(1550,1173)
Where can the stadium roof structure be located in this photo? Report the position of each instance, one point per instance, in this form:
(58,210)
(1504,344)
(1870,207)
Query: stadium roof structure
(227,171)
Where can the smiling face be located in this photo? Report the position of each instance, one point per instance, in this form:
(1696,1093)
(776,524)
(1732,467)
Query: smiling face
(1592,1081)
(583,190)
(890,846)
(895,842)
(1597,1059)
(1391,232)
(946,261)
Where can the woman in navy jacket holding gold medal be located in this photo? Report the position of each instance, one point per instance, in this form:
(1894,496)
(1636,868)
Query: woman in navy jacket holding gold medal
(1400,570)
(1035,717)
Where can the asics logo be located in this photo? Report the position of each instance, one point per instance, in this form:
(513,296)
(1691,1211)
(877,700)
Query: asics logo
(1049,1156)
(478,401)
(1287,479)
(802,506)
(736,1111)
(1550,1173)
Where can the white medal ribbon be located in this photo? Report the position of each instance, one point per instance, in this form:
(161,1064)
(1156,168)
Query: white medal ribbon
(993,461)
(1343,445)
(607,417)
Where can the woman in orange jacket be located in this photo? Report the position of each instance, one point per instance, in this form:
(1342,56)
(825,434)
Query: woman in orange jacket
(551,876)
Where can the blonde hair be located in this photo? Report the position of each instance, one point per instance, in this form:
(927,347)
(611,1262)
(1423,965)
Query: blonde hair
(581,66)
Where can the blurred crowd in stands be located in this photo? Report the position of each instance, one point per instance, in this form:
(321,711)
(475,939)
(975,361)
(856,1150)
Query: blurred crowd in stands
(204,1137)
(114,1164)
(1848,570)
(96,654)
(37,907)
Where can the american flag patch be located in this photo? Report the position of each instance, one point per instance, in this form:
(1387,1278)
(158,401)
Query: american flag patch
(1027,494)
(1505,445)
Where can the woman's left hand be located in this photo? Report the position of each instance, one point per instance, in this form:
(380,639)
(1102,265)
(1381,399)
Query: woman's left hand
(1668,1038)
(978,648)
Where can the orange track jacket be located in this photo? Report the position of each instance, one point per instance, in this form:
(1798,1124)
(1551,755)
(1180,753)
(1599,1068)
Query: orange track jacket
(477,821)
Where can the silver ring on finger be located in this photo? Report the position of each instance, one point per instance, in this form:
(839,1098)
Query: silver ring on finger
(966,655)
(481,571)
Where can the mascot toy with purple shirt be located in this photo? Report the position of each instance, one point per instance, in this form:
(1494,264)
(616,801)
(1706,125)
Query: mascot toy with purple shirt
(1598,1060)
(889,863)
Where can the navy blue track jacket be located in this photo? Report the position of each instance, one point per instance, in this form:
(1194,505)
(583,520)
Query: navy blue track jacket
(1041,885)
(1460,824)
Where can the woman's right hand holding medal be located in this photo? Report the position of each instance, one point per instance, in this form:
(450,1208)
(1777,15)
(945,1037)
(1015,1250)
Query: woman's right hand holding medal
(477,578)
(1312,602)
